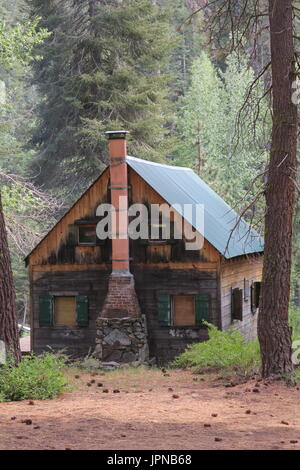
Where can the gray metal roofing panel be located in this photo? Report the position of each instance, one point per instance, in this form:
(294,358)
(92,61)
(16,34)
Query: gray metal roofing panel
(179,185)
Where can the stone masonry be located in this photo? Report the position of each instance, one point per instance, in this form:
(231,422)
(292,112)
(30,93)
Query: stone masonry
(121,340)
(121,329)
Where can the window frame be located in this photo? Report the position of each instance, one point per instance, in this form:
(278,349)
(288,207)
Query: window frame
(80,226)
(82,319)
(194,294)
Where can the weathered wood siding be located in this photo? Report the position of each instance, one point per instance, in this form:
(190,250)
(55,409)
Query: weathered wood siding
(171,269)
(166,342)
(57,248)
(233,273)
(75,339)
(141,192)
(59,267)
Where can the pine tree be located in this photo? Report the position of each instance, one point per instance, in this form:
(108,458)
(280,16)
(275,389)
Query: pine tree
(104,67)
(226,153)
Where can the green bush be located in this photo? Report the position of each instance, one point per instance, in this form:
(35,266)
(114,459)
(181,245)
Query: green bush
(294,320)
(228,351)
(35,377)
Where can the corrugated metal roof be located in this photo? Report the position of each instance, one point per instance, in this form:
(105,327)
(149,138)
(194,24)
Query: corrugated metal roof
(179,185)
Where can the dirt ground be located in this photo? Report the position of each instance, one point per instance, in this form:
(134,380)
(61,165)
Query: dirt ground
(151,410)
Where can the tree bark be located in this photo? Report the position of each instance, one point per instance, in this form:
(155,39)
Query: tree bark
(8,314)
(273,329)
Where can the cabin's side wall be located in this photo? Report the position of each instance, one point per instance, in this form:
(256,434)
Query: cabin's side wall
(233,274)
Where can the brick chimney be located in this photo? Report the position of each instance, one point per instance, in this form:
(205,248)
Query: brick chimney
(121,329)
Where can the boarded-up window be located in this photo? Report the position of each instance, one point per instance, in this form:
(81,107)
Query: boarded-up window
(65,311)
(237,304)
(184,310)
(87,235)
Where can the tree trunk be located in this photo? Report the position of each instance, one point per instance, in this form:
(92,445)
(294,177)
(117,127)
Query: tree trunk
(8,315)
(273,329)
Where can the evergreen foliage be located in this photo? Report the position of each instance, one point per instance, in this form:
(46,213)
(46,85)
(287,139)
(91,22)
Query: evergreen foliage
(104,67)
(217,136)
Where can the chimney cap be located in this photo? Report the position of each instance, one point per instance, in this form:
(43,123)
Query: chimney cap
(116,134)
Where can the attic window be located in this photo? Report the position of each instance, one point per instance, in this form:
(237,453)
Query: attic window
(87,235)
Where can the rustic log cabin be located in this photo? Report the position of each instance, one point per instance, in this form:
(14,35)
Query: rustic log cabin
(128,299)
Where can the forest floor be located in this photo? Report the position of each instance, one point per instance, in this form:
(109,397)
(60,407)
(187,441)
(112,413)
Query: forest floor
(147,409)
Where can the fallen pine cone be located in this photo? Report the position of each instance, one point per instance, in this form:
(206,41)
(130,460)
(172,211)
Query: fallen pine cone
(27,421)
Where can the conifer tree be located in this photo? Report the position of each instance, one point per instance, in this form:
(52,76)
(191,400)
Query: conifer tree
(103,67)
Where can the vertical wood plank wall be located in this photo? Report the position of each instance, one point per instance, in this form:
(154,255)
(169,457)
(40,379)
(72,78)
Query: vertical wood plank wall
(233,273)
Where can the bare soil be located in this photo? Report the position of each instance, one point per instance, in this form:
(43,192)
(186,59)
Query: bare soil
(151,410)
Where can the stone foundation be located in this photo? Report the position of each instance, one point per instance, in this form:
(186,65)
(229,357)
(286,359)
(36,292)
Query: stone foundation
(121,340)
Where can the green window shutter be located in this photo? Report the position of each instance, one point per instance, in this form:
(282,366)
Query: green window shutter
(257,293)
(237,304)
(82,310)
(202,304)
(46,310)
(164,309)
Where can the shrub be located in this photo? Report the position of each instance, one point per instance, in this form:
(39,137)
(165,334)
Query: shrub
(228,351)
(294,320)
(36,377)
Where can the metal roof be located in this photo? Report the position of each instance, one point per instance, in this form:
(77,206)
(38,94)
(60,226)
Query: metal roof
(180,185)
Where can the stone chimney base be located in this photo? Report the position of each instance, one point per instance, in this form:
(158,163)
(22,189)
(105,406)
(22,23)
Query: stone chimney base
(121,334)
(121,340)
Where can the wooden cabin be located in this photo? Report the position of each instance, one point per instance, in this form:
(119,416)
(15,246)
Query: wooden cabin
(72,272)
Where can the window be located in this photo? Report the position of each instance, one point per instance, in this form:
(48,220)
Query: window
(255,296)
(63,310)
(87,235)
(161,232)
(183,310)
(246,290)
(237,304)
